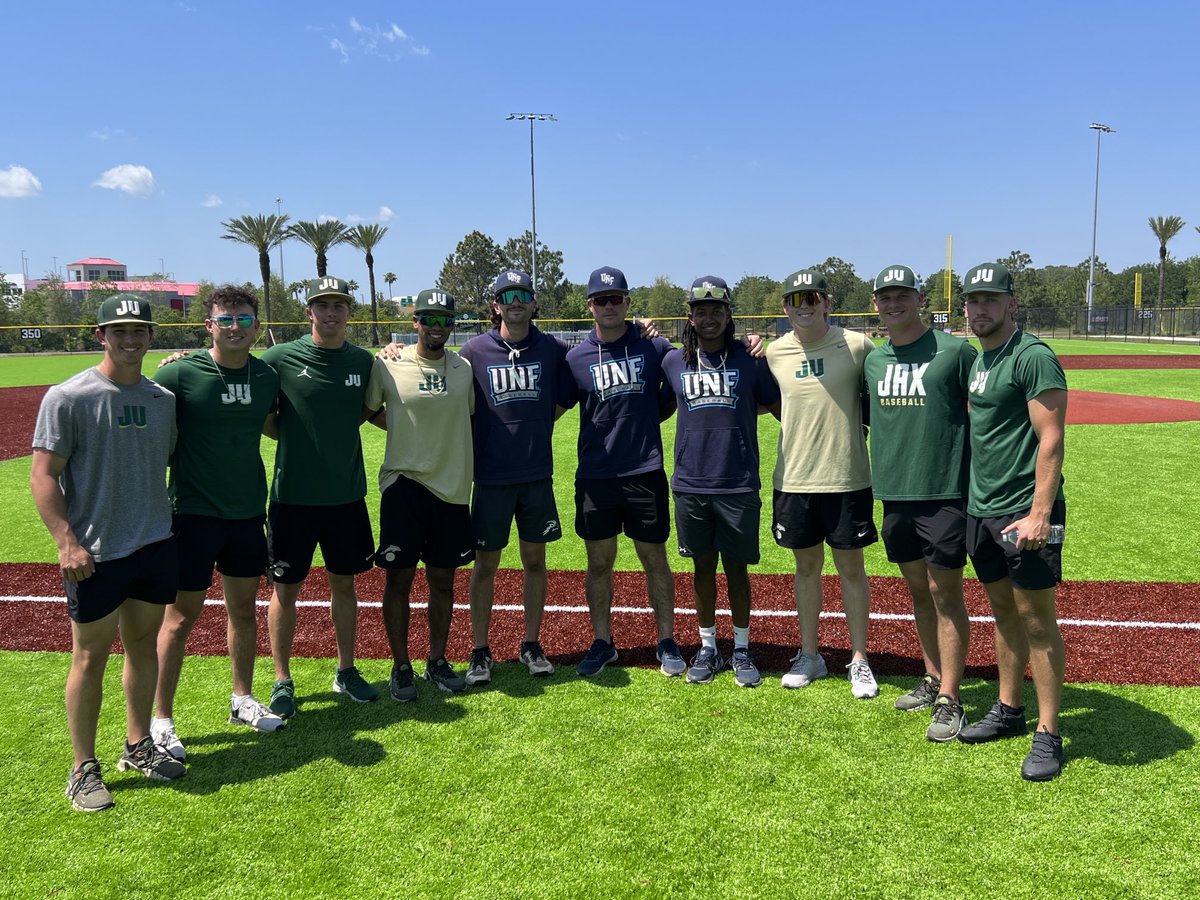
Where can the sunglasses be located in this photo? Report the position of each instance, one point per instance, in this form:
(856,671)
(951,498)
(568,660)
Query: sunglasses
(514,295)
(432,321)
(804,298)
(243,320)
(606,299)
(710,293)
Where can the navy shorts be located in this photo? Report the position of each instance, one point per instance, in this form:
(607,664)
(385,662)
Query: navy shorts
(726,523)
(844,521)
(415,525)
(931,530)
(343,532)
(639,505)
(994,559)
(532,504)
(150,574)
(236,547)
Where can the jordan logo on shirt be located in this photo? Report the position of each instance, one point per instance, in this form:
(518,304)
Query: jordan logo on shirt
(237,393)
(902,385)
(814,368)
(703,390)
(618,376)
(508,383)
(132,415)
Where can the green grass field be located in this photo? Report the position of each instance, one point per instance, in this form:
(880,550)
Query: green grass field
(632,785)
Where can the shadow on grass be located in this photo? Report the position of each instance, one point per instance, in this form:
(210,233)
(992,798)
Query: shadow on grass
(514,680)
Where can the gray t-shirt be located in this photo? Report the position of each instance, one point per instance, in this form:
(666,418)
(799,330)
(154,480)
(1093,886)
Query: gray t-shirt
(117,440)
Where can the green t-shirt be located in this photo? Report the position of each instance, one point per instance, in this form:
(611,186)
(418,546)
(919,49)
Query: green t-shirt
(1004,446)
(919,417)
(319,461)
(217,469)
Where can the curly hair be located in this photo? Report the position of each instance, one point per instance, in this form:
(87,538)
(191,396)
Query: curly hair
(691,341)
(229,296)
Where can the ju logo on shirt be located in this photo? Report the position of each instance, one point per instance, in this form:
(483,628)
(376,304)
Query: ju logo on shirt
(618,376)
(237,393)
(707,389)
(978,383)
(433,384)
(353,380)
(903,380)
(508,383)
(132,416)
(810,367)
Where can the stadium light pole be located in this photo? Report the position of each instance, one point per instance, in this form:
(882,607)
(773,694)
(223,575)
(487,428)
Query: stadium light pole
(531,118)
(279,212)
(1100,129)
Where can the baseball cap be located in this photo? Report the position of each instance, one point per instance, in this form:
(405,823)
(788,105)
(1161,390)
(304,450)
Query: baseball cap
(607,280)
(709,289)
(897,276)
(805,280)
(334,288)
(434,301)
(991,277)
(123,308)
(509,279)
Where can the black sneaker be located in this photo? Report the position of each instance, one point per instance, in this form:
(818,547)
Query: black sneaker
(920,697)
(349,681)
(480,669)
(705,666)
(745,672)
(1045,758)
(86,790)
(400,685)
(440,673)
(149,759)
(670,659)
(283,698)
(996,724)
(599,655)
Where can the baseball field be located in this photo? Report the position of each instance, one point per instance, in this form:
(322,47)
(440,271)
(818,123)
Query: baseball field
(631,784)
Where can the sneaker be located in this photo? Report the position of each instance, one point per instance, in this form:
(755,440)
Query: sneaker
(283,699)
(439,672)
(86,790)
(163,732)
(400,685)
(147,758)
(534,657)
(480,670)
(351,683)
(862,682)
(996,724)
(1045,758)
(599,655)
(920,697)
(671,659)
(805,670)
(254,714)
(745,672)
(948,720)
(705,666)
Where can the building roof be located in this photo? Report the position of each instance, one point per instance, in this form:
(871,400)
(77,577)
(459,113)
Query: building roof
(180,288)
(97,261)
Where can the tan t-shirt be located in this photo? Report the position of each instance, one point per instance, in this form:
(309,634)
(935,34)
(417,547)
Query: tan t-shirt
(821,445)
(429,407)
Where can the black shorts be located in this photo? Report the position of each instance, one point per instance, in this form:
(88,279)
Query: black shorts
(844,521)
(415,525)
(343,531)
(994,559)
(638,504)
(493,507)
(727,523)
(931,530)
(236,547)
(150,574)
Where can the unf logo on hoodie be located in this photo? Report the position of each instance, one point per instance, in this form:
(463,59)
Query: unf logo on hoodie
(515,382)
(618,376)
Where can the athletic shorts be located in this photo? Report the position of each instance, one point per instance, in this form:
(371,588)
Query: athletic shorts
(1031,570)
(150,574)
(844,521)
(295,530)
(415,525)
(931,530)
(727,523)
(494,506)
(236,547)
(638,505)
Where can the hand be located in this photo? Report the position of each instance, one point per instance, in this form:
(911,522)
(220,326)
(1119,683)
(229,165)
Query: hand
(177,355)
(648,329)
(754,345)
(391,351)
(1032,533)
(76,563)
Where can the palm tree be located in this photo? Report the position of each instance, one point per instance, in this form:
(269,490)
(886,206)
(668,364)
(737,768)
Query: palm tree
(320,236)
(365,237)
(264,234)
(1164,228)
(390,278)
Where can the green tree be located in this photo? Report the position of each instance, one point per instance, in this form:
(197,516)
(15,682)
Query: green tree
(661,300)
(264,234)
(1164,228)
(365,237)
(574,302)
(389,279)
(758,295)
(468,273)
(935,293)
(321,237)
(850,293)
(551,285)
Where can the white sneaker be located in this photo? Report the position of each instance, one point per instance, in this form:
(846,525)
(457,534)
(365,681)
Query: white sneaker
(862,682)
(534,657)
(805,670)
(257,716)
(163,733)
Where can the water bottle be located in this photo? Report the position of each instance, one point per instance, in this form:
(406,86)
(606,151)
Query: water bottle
(1057,533)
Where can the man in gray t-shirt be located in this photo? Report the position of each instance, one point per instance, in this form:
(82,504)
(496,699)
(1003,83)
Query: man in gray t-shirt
(100,453)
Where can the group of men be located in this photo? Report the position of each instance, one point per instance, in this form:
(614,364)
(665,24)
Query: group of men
(469,451)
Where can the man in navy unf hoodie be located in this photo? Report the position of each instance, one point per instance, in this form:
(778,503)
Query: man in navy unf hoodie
(616,378)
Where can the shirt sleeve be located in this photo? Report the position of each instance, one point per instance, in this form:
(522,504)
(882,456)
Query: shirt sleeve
(1038,370)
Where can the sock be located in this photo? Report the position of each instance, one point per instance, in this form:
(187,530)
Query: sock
(708,637)
(235,700)
(167,719)
(1011,710)
(741,637)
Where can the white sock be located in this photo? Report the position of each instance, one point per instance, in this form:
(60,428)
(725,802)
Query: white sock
(235,700)
(708,637)
(168,720)
(741,637)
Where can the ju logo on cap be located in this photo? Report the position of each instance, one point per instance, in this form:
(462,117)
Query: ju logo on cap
(328,286)
(123,308)
(434,301)
(991,277)
(805,280)
(897,276)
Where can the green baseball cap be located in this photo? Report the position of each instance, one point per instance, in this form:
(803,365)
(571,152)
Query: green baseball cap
(897,276)
(329,287)
(123,308)
(990,277)
(434,301)
(805,280)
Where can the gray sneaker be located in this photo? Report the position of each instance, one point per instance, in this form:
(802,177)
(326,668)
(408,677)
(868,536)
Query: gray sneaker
(534,657)
(149,759)
(996,723)
(745,672)
(1045,759)
(86,790)
(805,670)
(948,720)
(439,672)
(670,659)
(480,669)
(400,685)
(921,696)
(257,716)
(705,666)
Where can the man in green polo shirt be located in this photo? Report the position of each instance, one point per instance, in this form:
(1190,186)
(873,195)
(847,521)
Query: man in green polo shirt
(1016,512)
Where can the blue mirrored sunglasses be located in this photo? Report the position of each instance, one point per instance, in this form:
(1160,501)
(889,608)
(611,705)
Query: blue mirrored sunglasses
(244,321)
(514,295)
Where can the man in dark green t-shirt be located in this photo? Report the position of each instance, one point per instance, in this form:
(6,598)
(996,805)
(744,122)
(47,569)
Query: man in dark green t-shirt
(1016,512)
(319,489)
(917,382)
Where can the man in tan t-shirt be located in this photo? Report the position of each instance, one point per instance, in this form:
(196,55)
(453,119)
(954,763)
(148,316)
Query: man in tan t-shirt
(822,476)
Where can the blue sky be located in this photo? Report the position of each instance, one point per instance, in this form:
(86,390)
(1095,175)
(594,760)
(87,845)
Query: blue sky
(693,138)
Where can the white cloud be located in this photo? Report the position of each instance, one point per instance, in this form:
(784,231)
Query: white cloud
(212,200)
(17,182)
(103,134)
(136,180)
(354,219)
(337,45)
(385,214)
(388,41)
(326,217)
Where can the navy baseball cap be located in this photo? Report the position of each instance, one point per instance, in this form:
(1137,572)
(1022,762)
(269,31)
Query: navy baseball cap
(509,279)
(709,289)
(607,280)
